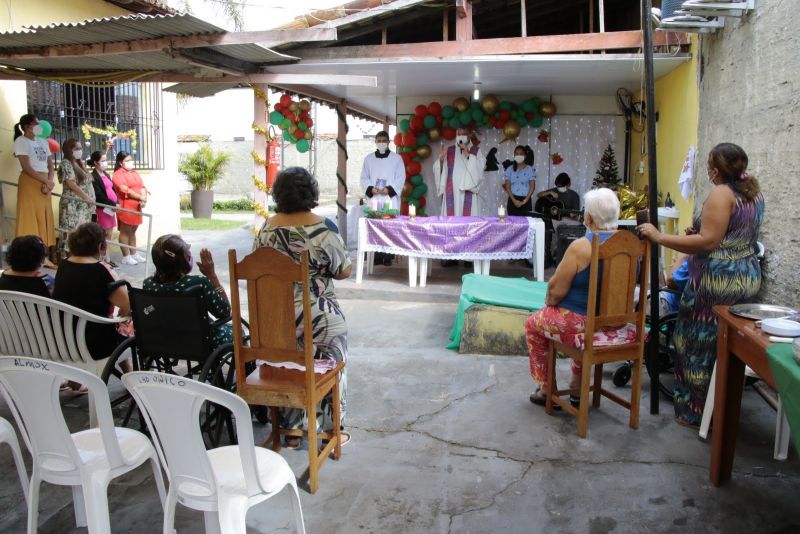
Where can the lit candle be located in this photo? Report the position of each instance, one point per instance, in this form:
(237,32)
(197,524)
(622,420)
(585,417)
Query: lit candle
(501,212)
(373,204)
(412,210)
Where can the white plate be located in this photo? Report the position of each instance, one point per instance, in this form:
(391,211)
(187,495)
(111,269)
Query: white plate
(781,327)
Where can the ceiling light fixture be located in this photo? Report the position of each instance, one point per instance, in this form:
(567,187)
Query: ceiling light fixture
(476,90)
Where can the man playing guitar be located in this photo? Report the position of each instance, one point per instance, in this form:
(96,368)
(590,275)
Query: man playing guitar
(554,202)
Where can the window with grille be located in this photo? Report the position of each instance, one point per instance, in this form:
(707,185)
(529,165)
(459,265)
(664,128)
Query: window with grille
(126,108)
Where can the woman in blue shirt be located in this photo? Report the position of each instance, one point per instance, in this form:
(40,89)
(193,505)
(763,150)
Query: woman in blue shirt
(520,181)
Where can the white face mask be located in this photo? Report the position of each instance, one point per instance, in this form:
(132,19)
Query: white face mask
(77,154)
(102,165)
(37,130)
(519,159)
(128,165)
(562,189)
(461,139)
(382,147)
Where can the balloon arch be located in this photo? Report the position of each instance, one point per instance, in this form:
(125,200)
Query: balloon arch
(435,122)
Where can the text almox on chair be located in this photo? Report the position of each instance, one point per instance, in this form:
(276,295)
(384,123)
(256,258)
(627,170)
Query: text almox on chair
(617,266)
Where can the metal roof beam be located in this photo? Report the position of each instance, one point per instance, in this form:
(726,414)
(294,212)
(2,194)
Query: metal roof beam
(318,94)
(209,59)
(265,38)
(265,77)
(540,44)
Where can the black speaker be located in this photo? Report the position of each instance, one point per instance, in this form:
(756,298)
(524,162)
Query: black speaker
(566,234)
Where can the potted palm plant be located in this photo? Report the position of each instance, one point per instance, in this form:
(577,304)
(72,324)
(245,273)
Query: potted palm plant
(203,168)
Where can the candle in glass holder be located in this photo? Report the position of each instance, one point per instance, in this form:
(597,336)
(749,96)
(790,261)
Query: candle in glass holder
(501,212)
(412,211)
(373,204)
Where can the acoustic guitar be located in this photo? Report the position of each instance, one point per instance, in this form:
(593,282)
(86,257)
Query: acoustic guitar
(553,209)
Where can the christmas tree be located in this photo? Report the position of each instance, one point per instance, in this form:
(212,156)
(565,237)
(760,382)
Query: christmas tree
(607,172)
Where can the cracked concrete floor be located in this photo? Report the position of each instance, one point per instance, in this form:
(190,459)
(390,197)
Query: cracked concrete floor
(446,442)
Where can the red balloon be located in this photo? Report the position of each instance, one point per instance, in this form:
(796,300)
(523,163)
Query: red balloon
(278,106)
(435,108)
(309,122)
(406,157)
(398,140)
(416,124)
(529,115)
(413,168)
(404,207)
(53,144)
(505,115)
(439,121)
(421,111)
(422,202)
(449,133)
(409,140)
(286,100)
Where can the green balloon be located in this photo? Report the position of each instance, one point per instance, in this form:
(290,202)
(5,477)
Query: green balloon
(289,137)
(536,102)
(303,145)
(302,126)
(275,118)
(285,123)
(528,106)
(465,117)
(429,121)
(477,115)
(475,106)
(505,105)
(419,191)
(536,121)
(448,111)
(422,139)
(416,179)
(404,125)
(47,129)
(413,202)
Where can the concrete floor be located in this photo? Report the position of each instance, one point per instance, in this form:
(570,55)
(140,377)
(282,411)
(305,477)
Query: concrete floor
(448,442)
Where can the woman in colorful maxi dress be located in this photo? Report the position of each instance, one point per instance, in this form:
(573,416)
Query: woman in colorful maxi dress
(723,269)
(74,208)
(292,230)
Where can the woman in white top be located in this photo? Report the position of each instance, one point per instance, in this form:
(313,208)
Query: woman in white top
(34,209)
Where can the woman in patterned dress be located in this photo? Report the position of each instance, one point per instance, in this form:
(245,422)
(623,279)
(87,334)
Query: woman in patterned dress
(293,229)
(723,269)
(73,209)
(173,260)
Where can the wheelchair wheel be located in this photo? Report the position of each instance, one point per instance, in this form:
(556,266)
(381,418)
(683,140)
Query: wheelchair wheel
(666,355)
(622,375)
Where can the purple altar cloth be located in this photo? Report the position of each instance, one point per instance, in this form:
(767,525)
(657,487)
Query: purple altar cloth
(444,237)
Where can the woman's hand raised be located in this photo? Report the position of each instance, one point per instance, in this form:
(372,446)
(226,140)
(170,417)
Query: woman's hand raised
(206,263)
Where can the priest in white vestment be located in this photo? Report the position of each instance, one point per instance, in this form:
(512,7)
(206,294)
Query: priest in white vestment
(458,174)
(383,174)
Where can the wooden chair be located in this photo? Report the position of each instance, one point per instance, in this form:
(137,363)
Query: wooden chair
(625,262)
(270,278)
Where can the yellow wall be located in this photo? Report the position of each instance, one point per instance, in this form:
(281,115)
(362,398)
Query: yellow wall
(677,103)
(13,97)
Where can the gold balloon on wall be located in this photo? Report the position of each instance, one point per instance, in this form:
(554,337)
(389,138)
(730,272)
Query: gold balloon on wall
(511,130)
(547,109)
(434,134)
(461,104)
(489,104)
(293,106)
(305,105)
(308,135)
(424,151)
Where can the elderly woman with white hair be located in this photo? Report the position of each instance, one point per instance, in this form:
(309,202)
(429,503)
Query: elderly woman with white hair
(564,316)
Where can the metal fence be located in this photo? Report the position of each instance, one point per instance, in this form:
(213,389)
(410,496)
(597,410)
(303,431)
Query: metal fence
(129,107)
(146,249)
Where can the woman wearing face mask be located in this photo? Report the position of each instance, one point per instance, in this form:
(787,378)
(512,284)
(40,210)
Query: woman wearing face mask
(74,208)
(34,210)
(520,181)
(133,196)
(104,194)
(723,269)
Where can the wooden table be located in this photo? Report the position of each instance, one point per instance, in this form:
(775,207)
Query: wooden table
(739,343)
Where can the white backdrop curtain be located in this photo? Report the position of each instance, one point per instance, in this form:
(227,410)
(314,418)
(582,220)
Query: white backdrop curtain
(580,139)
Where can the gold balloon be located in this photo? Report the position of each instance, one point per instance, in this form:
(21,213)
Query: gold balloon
(292,128)
(424,151)
(547,109)
(293,106)
(489,104)
(434,134)
(408,187)
(308,135)
(305,105)
(511,130)
(461,104)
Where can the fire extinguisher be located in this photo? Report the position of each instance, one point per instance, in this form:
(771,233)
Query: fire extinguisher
(273,161)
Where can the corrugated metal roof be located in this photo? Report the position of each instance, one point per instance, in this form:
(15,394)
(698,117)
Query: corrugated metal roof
(145,61)
(107,30)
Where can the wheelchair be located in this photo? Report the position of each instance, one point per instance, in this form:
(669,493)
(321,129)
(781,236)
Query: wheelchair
(664,367)
(173,335)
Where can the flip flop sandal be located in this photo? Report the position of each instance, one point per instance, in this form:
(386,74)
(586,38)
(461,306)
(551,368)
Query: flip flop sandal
(539,400)
(292,442)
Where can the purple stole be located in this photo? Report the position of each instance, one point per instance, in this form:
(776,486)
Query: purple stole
(448,190)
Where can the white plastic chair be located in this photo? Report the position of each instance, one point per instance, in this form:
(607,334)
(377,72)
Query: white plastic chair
(86,460)
(223,482)
(8,435)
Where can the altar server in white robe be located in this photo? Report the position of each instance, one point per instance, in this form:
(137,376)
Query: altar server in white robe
(383,174)
(458,174)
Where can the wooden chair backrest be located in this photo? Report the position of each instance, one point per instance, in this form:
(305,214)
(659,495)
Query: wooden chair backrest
(626,262)
(270,278)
